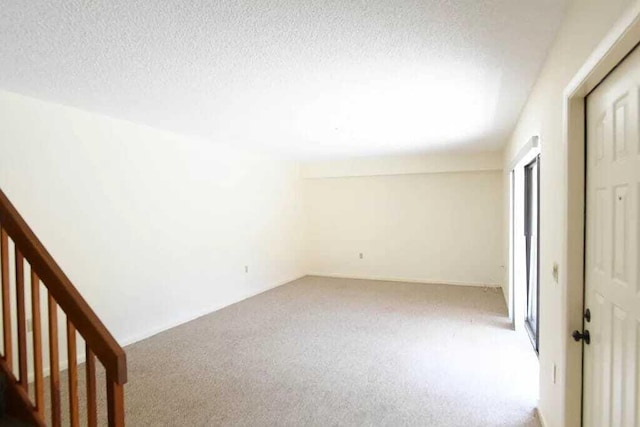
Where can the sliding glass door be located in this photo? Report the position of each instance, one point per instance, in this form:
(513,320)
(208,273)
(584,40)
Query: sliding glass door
(531,230)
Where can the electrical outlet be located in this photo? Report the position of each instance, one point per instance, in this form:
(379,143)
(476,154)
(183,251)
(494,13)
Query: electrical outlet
(246,268)
(361,255)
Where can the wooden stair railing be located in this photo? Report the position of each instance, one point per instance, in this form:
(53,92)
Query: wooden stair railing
(81,319)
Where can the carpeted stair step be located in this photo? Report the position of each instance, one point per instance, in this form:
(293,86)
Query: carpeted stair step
(5,420)
(10,422)
(3,390)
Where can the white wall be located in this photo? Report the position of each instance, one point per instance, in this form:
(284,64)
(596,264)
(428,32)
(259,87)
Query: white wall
(426,227)
(585,25)
(156,229)
(153,228)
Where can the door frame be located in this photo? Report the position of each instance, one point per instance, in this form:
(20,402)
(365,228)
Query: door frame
(617,44)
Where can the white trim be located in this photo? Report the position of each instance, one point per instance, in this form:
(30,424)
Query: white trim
(375,175)
(622,38)
(616,45)
(216,307)
(407,280)
(533,145)
(511,301)
(403,165)
(543,423)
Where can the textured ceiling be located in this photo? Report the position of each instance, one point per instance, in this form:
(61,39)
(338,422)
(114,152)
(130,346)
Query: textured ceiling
(304,78)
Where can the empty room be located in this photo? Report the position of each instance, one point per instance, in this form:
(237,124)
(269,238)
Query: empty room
(329,213)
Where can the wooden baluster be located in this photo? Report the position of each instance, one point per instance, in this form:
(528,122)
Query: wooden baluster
(92,409)
(106,348)
(6,302)
(72,357)
(37,341)
(22,322)
(115,404)
(56,419)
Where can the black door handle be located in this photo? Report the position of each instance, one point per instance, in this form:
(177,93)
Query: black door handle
(586,337)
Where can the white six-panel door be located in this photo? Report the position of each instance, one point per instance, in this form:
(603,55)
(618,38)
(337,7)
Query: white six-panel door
(612,360)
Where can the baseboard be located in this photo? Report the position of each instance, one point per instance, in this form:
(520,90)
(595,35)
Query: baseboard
(182,320)
(214,308)
(408,280)
(81,358)
(185,319)
(543,423)
(63,364)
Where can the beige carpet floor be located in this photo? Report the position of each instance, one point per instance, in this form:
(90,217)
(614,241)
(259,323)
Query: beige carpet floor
(337,352)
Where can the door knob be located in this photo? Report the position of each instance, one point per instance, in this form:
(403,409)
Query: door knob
(586,337)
